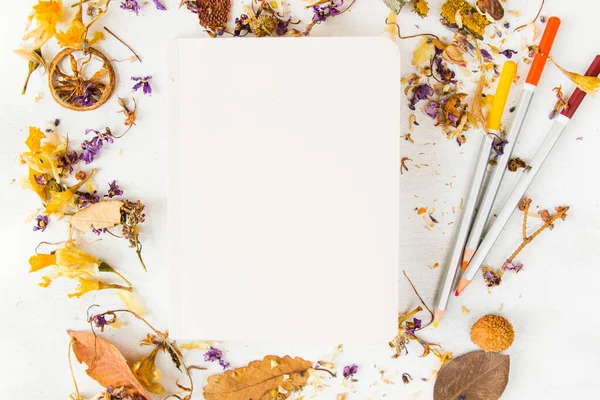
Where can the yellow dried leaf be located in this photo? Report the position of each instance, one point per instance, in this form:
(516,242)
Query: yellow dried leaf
(259,381)
(147,373)
(423,52)
(104,214)
(106,365)
(589,84)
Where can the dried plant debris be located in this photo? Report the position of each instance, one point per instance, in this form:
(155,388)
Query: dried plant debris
(395,5)
(270,378)
(477,375)
(493,277)
(491,7)
(470,19)
(213,15)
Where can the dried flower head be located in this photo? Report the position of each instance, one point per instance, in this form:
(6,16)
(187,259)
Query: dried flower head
(213,14)
(492,333)
(350,371)
(142,83)
(421,8)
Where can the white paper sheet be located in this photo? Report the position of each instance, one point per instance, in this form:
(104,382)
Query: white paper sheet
(284,187)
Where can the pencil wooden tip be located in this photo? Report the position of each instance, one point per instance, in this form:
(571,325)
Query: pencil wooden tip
(437,315)
(462,284)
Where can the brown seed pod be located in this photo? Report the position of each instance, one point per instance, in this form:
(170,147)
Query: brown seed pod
(213,14)
(492,333)
(68,89)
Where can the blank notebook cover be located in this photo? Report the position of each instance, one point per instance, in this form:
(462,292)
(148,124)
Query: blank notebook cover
(284,190)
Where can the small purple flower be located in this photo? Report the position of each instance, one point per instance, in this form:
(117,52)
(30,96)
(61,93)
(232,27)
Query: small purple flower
(491,278)
(113,190)
(421,92)
(432,109)
(92,147)
(350,370)
(100,321)
(512,267)
(159,6)
(486,54)
(508,53)
(86,199)
(85,99)
(67,159)
(446,74)
(41,179)
(131,6)
(453,119)
(321,13)
(214,354)
(417,323)
(41,223)
(542,19)
(143,83)
(507,25)
(98,232)
(282,27)
(498,146)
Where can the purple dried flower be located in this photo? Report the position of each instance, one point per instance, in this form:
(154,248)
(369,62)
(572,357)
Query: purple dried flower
(100,321)
(420,92)
(131,6)
(491,278)
(416,324)
(508,53)
(486,54)
(41,223)
(282,27)
(86,199)
(159,5)
(67,159)
(350,370)
(445,74)
(498,146)
(213,354)
(512,267)
(224,364)
(92,147)
(143,83)
(41,179)
(321,13)
(432,109)
(542,19)
(99,231)
(113,190)
(85,99)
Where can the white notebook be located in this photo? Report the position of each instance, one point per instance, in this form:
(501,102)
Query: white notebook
(284,190)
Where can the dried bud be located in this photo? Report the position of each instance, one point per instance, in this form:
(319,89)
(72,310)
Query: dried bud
(545,215)
(80,175)
(453,55)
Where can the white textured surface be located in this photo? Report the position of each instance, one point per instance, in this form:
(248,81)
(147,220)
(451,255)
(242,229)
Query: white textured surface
(285,211)
(550,302)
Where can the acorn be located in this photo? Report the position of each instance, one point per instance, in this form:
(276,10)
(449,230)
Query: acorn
(492,333)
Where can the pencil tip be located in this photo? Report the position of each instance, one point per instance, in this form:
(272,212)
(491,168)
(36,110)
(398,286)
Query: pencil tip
(456,293)
(436,324)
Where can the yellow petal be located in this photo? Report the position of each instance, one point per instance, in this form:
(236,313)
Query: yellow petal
(391,27)
(145,370)
(40,261)
(453,55)
(196,345)
(98,36)
(85,286)
(424,52)
(74,36)
(589,84)
(73,263)
(60,203)
(34,139)
(132,302)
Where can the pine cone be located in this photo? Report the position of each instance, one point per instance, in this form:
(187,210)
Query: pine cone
(213,14)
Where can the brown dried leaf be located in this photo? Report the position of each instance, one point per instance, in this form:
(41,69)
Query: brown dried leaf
(104,214)
(259,380)
(476,375)
(476,105)
(453,54)
(106,365)
(492,7)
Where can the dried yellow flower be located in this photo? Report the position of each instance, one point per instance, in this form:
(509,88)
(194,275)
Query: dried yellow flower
(471,19)
(421,8)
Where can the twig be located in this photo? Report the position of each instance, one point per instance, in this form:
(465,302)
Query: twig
(411,36)
(125,44)
(73,374)
(525,215)
(535,19)
(561,212)
(421,299)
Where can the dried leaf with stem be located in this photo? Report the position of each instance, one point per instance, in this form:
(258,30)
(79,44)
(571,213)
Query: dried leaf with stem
(35,60)
(589,84)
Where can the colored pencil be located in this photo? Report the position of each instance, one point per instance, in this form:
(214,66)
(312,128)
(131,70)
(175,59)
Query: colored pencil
(507,75)
(521,187)
(520,114)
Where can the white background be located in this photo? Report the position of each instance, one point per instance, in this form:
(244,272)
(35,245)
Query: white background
(551,303)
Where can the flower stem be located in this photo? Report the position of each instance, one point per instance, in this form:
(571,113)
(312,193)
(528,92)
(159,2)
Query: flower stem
(26,81)
(104,267)
(138,251)
(122,42)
